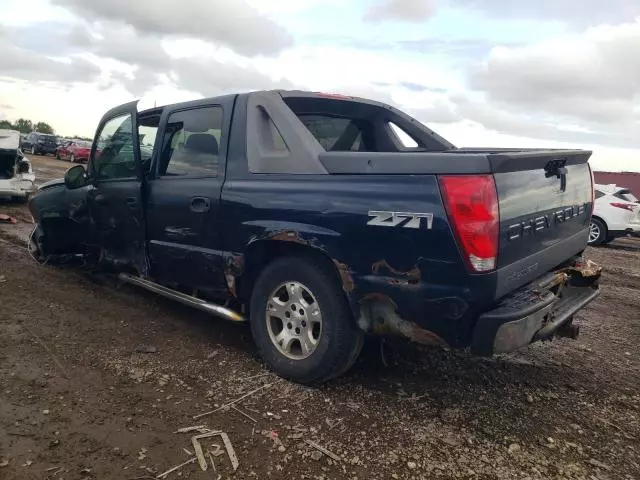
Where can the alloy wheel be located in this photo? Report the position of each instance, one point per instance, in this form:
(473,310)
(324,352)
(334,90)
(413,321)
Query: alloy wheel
(594,232)
(294,320)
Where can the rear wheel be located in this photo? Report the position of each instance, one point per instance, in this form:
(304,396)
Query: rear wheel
(301,322)
(597,232)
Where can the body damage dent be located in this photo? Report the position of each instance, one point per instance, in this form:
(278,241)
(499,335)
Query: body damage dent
(294,236)
(378,314)
(234,264)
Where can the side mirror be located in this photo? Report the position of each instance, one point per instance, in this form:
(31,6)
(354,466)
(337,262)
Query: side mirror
(76,177)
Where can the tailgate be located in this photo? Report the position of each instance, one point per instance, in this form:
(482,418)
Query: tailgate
(545,202)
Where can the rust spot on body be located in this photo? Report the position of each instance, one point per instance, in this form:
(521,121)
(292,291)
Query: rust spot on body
(289,236)
(379,315)
(383,268)
(348,285)
(586,268)
(234,267)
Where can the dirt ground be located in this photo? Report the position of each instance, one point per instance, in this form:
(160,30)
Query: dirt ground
(95,378)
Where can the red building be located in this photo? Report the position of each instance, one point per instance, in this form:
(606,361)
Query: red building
(630,180)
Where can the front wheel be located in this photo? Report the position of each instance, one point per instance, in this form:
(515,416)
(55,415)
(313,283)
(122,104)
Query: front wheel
(35,245)
(597,232)
(301,322)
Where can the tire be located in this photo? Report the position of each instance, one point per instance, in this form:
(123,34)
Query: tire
(334,342)
(597,232)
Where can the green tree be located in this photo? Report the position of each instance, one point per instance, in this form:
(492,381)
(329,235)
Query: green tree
(43,127)
(6,124)
(23,125)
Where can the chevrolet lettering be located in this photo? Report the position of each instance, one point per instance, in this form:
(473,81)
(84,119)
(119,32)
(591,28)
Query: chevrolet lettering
(543,222)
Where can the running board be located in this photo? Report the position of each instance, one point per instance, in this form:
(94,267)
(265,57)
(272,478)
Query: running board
(183,298)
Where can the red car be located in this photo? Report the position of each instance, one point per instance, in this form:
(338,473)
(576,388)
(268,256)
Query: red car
(76,151)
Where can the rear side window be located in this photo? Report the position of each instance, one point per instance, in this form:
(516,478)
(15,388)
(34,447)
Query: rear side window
(336,134)
(191,143)
(626,195)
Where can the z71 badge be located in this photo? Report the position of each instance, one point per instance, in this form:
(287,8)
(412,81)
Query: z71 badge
(400,219)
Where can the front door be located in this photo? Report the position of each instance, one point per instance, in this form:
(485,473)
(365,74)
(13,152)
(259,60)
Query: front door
(183,218)
(115,195)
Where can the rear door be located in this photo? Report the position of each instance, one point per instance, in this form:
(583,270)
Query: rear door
(115,195)
(183,206)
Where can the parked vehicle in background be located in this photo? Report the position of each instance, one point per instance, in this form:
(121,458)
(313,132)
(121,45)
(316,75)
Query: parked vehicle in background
(308,216)
(616,213)
(74,151)
(37,143)
(16,175)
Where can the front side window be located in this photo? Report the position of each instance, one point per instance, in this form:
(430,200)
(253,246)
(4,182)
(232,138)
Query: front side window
(114,158)
(191,145)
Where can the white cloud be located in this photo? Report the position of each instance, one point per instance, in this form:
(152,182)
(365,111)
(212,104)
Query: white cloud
(592,76)
(235,24)
(401,10)
(16,62)
(575,12)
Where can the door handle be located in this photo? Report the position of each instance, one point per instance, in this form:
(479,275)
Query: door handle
(132,202)
(200,204)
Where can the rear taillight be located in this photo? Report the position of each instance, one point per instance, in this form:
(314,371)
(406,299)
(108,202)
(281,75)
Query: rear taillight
(625,206)
(471,202)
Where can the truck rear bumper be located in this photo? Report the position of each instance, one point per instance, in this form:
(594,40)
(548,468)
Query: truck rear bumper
(538,311)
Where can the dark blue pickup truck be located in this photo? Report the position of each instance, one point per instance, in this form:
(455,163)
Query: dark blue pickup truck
(320,218)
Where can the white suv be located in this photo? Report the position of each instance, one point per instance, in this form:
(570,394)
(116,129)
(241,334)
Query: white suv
(616,213)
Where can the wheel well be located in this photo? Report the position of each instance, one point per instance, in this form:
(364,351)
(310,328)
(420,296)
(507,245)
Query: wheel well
(603,222)
(258,256)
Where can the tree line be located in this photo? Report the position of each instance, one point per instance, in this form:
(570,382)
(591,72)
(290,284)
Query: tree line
(27,126)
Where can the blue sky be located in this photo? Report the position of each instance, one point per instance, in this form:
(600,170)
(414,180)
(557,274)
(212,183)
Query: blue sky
(556,73)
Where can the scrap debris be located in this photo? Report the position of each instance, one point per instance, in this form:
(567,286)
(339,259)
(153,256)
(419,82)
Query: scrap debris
(205,432)
(195,428)
(323,450)
(197,448)
(252,392)
(177,467)
(202,461)
(243,413)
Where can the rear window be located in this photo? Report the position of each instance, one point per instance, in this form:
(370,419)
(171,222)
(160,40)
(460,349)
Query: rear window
(336,133)
(343,125)
(626,195)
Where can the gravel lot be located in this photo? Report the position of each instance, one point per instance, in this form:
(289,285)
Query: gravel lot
(95,378)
